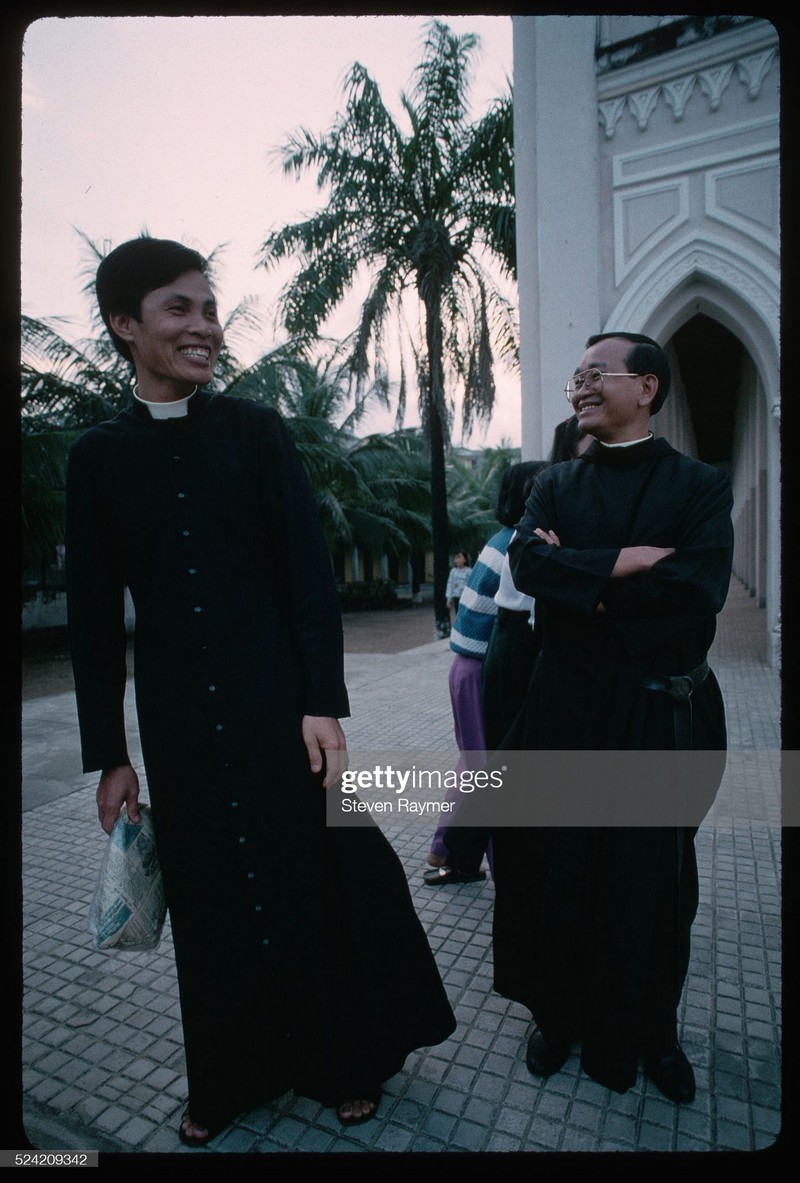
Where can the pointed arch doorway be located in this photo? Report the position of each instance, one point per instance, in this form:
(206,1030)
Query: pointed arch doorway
(719,412)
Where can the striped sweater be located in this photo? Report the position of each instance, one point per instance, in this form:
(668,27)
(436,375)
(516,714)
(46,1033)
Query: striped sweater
(476,611)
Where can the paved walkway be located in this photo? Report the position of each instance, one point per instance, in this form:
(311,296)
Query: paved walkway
(102,1057)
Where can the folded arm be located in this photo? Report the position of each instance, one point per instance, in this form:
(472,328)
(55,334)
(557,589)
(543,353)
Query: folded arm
(638,581)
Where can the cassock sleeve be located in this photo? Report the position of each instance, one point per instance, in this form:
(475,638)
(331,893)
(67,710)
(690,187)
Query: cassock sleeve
(307,574)
(573,577)
(682,593)
(694,580)
(96,614)
(690,584)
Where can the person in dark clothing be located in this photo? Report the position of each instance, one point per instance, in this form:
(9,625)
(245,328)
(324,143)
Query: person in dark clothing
(457,851)
(515,640)
(568,441)
(627,552)
(513,644)
(288,966)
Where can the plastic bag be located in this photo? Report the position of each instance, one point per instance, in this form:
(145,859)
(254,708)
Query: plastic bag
(129,907)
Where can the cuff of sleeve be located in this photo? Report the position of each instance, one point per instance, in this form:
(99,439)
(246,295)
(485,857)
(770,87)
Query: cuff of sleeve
(98,759)
(333,704)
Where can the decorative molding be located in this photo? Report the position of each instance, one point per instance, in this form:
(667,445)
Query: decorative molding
(710,149)
(713,84)
(765,232)
(753,70)
(744,276)
(610,114)
(715,51)
(626,203)
(748,53)
(642,105)
(677,94)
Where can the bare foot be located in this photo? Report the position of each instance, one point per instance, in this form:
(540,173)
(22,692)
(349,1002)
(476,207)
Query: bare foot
(355,1112)
(436,860)
(192,1134)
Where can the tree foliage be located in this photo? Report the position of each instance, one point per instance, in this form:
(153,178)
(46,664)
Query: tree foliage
(417,212)
(473,485)
(367,491)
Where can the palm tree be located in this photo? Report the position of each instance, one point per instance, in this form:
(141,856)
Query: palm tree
(421,213)
(473,484)
(65,388)
(368,493)
(43,465)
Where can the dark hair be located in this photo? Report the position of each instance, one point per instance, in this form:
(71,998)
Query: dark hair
(516,484)
(137,267)
(566,438)
(646,357)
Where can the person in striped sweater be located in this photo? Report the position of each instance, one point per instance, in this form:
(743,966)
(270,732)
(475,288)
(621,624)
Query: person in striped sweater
(456,852)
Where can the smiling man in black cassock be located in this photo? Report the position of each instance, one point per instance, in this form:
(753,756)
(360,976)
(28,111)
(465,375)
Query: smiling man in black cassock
(296,944)
(627,552)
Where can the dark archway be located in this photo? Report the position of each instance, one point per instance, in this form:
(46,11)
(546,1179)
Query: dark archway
(710,360)
(727,414)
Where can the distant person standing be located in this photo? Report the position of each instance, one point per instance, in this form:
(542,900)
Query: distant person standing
(627,553)
(457,580)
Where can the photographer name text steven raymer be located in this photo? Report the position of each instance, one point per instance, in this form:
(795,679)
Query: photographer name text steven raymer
(398,781)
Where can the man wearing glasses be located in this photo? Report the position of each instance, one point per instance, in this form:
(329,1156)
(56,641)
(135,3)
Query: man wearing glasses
(627,553)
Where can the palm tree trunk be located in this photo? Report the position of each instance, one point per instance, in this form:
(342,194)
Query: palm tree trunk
(441,558)
(436,439)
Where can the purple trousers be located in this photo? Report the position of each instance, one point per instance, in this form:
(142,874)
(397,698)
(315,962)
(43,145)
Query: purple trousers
(463,846)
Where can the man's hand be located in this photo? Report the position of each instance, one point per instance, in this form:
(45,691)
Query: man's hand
(324,735)
(633,560)
(118,786)
(548,536)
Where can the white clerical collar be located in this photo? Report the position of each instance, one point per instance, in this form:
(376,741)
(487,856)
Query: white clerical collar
(628,443)
(174,410)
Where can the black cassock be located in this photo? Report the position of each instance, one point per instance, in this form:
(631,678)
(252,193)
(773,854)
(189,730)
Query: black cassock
(301,962)
(591,928)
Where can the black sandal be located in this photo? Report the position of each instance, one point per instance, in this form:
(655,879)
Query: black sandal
(439,876)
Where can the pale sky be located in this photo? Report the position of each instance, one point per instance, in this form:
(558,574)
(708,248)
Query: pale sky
(167,123)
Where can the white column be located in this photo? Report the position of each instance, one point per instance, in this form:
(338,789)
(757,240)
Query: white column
(556,150)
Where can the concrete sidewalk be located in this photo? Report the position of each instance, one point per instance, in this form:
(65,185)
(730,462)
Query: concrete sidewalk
(102,1055)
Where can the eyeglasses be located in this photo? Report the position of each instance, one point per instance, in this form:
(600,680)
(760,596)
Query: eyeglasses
(591,378)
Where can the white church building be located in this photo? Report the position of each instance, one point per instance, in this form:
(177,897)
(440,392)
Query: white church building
(647,177)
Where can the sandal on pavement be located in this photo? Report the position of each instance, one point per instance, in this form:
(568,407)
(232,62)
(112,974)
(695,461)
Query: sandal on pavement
(193,1140)
(438,876)
(374,1100)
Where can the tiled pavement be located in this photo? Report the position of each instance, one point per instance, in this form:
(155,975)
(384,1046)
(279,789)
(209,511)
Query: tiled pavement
(102,1057)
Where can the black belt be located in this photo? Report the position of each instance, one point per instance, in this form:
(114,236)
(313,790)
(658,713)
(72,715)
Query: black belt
(514,613)
(680,688)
